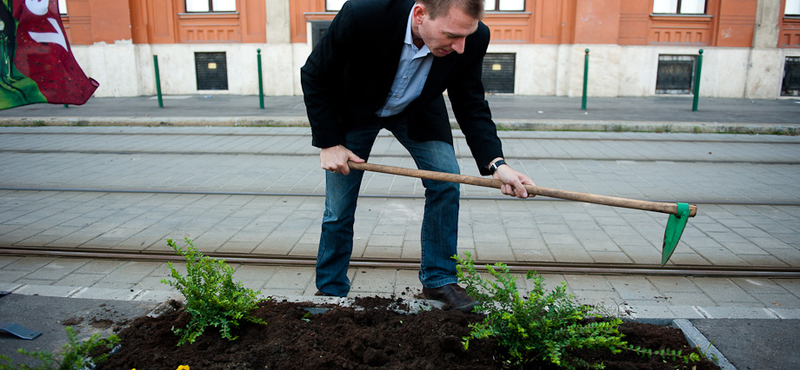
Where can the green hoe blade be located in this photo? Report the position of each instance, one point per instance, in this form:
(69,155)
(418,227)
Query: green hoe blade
(672,235)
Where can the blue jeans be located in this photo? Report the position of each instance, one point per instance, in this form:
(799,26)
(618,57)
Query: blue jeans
(439,224)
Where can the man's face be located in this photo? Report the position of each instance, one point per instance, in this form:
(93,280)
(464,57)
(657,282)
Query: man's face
(446,33)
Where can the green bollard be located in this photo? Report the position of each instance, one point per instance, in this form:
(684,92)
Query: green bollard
(697,72)
(158,82)
(260,82)
(585,79)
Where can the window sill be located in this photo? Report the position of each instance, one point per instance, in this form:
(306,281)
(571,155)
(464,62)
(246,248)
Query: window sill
(681,16)
(510,12)
(202,15)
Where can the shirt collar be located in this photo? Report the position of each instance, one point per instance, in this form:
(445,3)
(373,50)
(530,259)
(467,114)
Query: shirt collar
(409,37)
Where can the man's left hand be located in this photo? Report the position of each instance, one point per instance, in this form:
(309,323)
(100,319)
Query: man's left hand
(513,181)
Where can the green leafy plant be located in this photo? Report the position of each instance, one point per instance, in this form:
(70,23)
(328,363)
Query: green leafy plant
(75,354)
(213,298)
(707,352)
(671,354)
(543,326)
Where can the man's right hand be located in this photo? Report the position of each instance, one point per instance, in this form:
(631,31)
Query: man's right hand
(334,159)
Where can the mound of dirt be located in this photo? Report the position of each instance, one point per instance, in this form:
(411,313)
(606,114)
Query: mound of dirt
(370,335)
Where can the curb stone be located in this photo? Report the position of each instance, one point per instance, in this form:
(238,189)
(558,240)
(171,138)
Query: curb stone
(502,124)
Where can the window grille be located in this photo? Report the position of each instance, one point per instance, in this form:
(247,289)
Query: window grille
(675,74)
(498,72)
(212,71)
(791,77)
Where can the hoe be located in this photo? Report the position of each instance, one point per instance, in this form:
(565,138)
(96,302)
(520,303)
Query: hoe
(679,213)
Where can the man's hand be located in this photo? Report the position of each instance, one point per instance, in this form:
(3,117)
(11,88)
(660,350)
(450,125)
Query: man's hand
(513,181)
(335,159)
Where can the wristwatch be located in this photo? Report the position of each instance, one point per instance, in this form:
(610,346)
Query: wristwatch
(493,166)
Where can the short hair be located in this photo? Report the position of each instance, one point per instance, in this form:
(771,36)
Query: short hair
(473,8)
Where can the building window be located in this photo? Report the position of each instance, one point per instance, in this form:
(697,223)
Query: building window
(505,5)
(792,8)
(498,72)
(791,77)
(491,5)
(211,71)
(679,7)
(675,74)
(202,6)
(334,5)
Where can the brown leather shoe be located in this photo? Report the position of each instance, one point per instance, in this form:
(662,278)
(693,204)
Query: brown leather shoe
(452,295)
(320,293)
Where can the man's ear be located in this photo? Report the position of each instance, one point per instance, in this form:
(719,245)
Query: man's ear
(419,13)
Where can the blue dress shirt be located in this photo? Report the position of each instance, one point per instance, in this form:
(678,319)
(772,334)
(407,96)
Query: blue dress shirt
(412,71)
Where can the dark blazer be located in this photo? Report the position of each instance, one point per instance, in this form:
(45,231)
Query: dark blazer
(349,73)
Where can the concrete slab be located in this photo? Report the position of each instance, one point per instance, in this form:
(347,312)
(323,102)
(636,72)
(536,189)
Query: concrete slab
(755,344)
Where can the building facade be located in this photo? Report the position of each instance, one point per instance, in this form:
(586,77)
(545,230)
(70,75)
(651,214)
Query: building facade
(751,48)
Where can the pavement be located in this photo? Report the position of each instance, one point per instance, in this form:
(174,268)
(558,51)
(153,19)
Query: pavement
(641,114)
(121,175)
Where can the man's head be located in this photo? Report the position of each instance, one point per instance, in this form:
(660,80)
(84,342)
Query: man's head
(472,8)
(443,25)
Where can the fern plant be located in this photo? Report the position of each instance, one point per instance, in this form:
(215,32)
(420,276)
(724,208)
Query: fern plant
(75,354)
(543,326)
(213,298)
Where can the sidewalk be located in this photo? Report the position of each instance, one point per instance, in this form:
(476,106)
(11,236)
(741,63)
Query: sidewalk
(647,114)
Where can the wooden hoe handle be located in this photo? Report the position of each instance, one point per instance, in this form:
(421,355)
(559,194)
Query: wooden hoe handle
(669,208)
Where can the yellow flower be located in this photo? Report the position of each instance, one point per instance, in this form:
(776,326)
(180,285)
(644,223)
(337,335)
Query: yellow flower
(183,367)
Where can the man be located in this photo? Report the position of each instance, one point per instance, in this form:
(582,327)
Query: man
(385,64)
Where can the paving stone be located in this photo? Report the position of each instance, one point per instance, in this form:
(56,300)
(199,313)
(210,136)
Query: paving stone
(668,284)
(368,280)
(47,290)
(685,299)
(685,312)
(29,263)
(80,280)
(533,255)
(568,253)
(289,278)
(588,283)
(107,293)
(633,288)
(645,310)
(383,240)
(254,272)
(57,269)
(723,290)
(609,257)
(738,312)
(158,296)
(494,252)
(114,285)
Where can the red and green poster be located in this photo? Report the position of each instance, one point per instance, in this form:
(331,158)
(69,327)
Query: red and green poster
(38,65)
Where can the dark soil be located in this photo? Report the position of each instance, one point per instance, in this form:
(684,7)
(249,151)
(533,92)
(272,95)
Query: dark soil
(346,338)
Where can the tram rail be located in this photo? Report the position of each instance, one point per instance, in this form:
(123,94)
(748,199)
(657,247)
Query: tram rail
(404,263)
